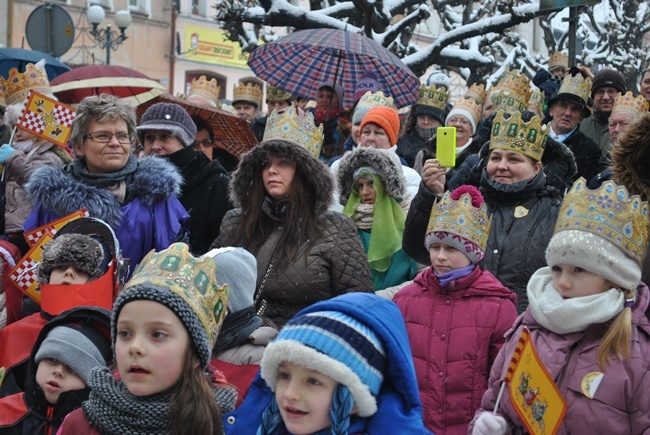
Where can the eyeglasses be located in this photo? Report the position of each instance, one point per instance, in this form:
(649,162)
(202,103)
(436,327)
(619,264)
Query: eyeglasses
(123,138)
(426,118)
(458,120)
(206,143)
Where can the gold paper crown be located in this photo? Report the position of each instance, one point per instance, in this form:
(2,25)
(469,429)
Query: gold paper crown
(250,93)
(208,89)
(516,82)
(275,94)
(627,103)
(18,85)
(513,134)
(461,218)
(509,102)
(373,99)
(301,130)
(609,212)
(558,59)
(576,85)
(477,92)
(433,97)
(191,278)
(537,98)
(471,106)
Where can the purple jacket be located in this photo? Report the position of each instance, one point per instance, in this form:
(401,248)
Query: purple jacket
(455,334)
(621,403)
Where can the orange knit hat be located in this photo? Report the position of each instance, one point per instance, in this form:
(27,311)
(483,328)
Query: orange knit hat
(386,118)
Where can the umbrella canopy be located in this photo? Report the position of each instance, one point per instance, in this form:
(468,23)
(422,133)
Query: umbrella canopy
(19,58)
(125,83)
(302,61)
(231,133)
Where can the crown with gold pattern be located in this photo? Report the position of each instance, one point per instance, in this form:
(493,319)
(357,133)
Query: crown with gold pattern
(558,59)
(513,134)
(250,93)
(576,85)
(17,85)
(537,98)
(373,99)
(470,106)
(509,102)
(516,82)
(433,97)
(275,94)
(208,89)
(477,92)
(609,212)
(291,127)
(629,104)
(191,278)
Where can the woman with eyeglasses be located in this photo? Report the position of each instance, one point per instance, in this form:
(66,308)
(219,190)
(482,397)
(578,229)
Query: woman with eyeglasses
(137,198)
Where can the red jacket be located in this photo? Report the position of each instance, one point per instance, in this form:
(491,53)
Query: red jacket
(455,334)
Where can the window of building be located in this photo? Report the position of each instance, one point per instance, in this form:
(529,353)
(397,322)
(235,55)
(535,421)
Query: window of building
(106,4)
(140,6)
(202,8)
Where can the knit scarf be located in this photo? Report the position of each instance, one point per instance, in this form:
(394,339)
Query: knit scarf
(101,181)
(564,316)
(321,115)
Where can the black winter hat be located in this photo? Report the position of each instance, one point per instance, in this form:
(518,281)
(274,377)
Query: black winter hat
(80,250)
(608,78)
(422,109)
(170,117)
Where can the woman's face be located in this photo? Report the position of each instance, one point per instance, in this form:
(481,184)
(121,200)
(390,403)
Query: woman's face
(509,167)
(374,136)
(463,129)
(324,97)
(161,143)
(366,189)
(104,158)
(277,176)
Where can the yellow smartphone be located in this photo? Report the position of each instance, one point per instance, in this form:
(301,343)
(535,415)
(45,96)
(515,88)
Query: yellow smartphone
(446,146)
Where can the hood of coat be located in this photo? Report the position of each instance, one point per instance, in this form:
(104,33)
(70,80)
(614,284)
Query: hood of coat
(631,159)
(387,168)
(316,176)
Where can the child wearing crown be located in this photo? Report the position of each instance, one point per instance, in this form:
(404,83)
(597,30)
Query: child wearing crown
(586,319)
(456,314)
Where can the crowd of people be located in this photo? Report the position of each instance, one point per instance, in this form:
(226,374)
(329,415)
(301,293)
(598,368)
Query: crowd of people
(337,277)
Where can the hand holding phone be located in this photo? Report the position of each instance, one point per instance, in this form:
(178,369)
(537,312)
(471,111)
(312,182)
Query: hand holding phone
(446,146)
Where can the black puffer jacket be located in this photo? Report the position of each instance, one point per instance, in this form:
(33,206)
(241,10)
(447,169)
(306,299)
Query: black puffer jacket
(588,155)
(408,147)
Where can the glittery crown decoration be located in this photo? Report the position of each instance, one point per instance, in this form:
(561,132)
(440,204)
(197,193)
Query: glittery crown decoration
(628,103)
(509,102)
(576,85)
(191,278)
(471,106)
(609,212)
(516,82)
(275,94)
(477,92)
(17,85)
(208,89)
(513,134)
(301,130)
(460,217)
(537,98)
(373,99)
(558,59)
(433,97)
(248,92)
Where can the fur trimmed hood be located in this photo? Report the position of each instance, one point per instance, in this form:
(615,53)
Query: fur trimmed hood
(57,190)
(387,169)
(631,159)
(317,177)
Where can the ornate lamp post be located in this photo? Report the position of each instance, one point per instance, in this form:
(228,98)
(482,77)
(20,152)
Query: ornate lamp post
(107,38)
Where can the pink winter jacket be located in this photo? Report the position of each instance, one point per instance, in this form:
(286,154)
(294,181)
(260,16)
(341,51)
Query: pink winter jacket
(621,403)
(455,334)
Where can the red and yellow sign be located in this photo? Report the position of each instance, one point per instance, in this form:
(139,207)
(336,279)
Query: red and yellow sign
(26,271)
(47,118)
(33,236)
(210,45)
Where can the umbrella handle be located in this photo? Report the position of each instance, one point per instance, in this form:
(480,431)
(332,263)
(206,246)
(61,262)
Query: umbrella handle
(336,74)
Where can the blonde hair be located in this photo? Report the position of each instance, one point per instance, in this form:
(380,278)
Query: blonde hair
(617,338)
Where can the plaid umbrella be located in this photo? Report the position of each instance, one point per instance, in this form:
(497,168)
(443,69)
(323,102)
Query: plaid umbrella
(302,61)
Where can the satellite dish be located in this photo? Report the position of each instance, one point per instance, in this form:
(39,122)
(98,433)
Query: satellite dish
(50,29)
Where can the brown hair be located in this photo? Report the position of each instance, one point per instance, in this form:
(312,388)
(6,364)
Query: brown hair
(617,338)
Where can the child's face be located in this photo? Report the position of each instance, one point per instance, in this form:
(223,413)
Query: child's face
(366,190)
(68,275)
(445,258)
(55,378)
(575,282)
(150,347)
(304,397)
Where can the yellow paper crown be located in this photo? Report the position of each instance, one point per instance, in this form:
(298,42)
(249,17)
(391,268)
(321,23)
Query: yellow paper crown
(609,212)
(558,59)
(208,89)
(250,93)
(433,97)
(18,85)
(516,82)
(513,134)
(537,98)
(627,103)
(509,102)
(373,99)
(191,278)
(301,130)
(576,85)
(471,106)
(477,92)
(461,218)
(275,94)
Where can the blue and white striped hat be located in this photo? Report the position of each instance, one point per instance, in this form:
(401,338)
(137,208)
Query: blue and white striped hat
(335,345)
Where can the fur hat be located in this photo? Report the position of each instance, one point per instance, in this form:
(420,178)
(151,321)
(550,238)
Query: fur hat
(238,268)
(336,345)
(608,78)
(80,250)
(169,117)
(386,118)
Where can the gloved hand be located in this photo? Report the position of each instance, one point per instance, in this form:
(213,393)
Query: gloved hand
(5,152)
(488,424)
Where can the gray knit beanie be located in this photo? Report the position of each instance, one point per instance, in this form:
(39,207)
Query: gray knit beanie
(170,117)
(80,250)
(238,268)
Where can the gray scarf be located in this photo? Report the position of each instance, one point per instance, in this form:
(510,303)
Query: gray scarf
(101,181)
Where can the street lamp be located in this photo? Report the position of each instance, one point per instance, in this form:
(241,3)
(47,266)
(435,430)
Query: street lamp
(107,38)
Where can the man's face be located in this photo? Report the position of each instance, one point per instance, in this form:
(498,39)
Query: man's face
(566,115)
(645,85)
(246,111)
(619,121)
(604,99)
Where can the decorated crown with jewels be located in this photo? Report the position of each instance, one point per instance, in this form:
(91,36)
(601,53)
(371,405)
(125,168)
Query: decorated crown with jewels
(206,88)
(276,94)
(17,85)
(509,102)
(628,103)
(516,82)
(250,93)
(301,130)
(513,134)
(433,97)
(191,278)
(576,85)
(609,212)
(558,59)
(374,99)
(470,106)
(477,92)
(537,98)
